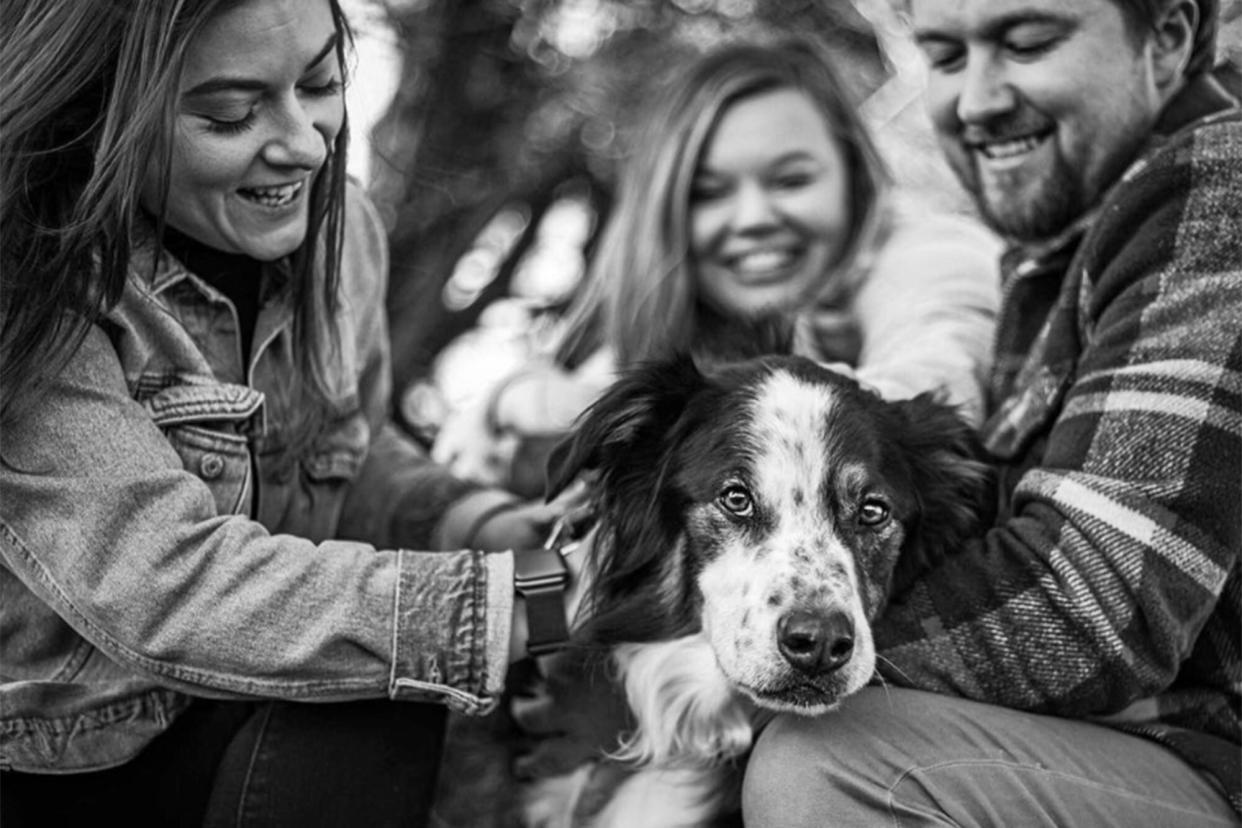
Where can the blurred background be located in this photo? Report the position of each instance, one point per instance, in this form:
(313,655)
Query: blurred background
(487,131)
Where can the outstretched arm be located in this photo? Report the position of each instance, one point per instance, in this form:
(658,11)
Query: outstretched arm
(927,311)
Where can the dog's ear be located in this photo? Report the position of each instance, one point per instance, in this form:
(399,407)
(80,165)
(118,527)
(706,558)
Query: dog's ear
(954,485)
(626,440)
(631,416)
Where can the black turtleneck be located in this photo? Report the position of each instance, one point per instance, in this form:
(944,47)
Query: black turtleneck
(235,275)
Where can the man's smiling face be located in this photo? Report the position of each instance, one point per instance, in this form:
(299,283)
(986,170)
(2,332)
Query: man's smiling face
(1038,104)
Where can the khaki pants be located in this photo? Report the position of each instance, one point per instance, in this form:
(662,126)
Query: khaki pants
(896,757)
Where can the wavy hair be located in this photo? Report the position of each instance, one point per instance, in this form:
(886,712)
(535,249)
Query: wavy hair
(640,297)
(89,99)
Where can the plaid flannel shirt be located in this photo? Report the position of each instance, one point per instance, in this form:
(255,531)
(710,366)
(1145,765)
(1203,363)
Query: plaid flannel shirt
(1110,586)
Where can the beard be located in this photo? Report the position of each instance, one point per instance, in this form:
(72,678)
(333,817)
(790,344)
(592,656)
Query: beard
(1034,210)
(1030,203)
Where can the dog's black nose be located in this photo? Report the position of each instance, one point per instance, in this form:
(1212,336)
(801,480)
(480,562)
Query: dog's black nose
(815,643)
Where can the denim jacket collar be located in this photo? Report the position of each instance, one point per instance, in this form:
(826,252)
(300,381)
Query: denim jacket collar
(158,270)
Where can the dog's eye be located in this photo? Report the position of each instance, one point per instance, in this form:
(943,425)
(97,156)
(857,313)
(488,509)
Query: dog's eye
(736,500)
(872,512)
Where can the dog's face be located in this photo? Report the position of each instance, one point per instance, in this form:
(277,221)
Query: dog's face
(767,505)
(794,522)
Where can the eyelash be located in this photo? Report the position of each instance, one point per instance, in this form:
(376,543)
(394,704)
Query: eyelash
(326,90)
(1028,50)
(705,193)
(231,127)
(793,181)
(945,62)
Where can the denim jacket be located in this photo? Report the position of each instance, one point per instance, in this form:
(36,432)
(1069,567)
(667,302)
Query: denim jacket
(152,548)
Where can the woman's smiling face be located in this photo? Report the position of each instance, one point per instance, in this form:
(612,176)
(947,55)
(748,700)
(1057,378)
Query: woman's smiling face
(769,208)
(259,107)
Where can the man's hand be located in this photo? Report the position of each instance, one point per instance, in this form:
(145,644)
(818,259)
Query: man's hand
(526,525)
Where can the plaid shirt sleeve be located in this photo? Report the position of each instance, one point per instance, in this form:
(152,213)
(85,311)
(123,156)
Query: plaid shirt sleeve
(1112,574)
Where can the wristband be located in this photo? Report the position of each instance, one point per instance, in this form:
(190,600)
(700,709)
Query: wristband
(540,576)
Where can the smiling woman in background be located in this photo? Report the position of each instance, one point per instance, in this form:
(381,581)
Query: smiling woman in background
(755,193)
(205,517)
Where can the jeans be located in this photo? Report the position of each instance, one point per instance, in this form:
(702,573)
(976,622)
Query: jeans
(897,757)
(371,763)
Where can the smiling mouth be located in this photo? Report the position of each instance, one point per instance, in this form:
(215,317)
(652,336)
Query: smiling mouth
(1009,148)
(272,196)
(766,263)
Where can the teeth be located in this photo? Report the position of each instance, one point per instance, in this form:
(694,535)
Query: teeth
(1009,149)
(273,196)
(763,260)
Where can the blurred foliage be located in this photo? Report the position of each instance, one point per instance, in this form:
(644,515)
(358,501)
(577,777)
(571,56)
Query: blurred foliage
(503,101)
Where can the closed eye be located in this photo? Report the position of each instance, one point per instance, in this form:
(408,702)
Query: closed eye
(230,110)
(706,189)
(943,54)
(323,90)
(1032,39)
(792,179)
(229,126)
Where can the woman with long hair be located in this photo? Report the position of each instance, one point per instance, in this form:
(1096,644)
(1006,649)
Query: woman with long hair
(206,520)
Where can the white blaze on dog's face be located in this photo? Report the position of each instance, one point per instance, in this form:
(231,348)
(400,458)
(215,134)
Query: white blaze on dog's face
(796,534)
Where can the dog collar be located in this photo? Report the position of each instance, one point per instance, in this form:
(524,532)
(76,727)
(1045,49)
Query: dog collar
(540,577)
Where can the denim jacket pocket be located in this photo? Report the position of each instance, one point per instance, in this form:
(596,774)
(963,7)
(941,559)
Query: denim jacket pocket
(304,495)
(208,426)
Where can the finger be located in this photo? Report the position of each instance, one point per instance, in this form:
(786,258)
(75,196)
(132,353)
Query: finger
(546,512)
(576,495)
(540,515)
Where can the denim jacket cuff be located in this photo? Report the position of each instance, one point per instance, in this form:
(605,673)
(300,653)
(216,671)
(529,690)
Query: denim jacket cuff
(450,642)
(500,599)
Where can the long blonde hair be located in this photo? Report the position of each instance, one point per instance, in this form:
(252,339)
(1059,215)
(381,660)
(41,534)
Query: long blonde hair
(640,297)
(89,97)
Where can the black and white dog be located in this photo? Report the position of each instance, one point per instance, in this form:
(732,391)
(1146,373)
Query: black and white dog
(753,521)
